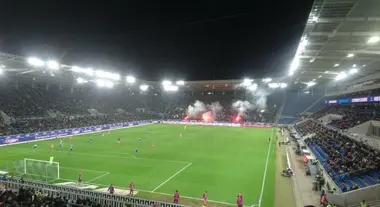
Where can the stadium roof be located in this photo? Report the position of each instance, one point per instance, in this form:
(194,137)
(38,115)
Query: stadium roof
(341,41)
(28,69)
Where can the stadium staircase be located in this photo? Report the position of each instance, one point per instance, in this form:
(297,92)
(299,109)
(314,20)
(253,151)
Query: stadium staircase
(296,103)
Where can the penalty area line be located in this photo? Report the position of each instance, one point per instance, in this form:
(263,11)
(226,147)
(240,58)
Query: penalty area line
(100,176)
(163,183)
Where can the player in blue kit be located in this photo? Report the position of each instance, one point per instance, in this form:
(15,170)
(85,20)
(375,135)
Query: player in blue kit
(139,139)
(90,139)
(35,147)
(71,148)
(60,143)
(137,150)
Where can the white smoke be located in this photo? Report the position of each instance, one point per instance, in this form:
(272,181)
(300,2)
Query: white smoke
(257,100)
(196,109)
(242,107)
(201,110)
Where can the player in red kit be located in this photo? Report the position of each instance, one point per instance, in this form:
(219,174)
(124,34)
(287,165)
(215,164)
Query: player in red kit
(205,198)
(80,177)
(131,187)
(176,196)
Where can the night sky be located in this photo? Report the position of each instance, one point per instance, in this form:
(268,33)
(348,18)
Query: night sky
(193,40)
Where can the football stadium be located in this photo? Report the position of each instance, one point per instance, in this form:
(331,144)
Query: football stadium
(71,135)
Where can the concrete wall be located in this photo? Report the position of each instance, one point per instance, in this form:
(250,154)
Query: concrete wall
(329,118)
(354,197)
(361,129)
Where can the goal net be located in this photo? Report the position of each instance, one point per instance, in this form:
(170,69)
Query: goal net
(37,169)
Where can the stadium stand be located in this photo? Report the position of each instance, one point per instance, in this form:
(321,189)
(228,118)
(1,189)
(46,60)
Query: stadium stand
(46,106)
(350,163)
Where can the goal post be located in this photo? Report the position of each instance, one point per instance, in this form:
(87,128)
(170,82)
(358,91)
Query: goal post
(39,169)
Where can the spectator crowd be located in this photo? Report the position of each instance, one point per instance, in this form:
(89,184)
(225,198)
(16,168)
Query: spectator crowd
(344,158)
(34,198)
(26,109)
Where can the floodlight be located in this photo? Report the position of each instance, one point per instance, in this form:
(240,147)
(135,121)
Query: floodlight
(3,66)
(353,70)
(354,65)
(295,64)
(273,85)
(89,71)
(315,18)
(312,60)
(80,80)
(373,40)
(311,83)
(51,64)
(267,80)
(144,87)
(35,62)
(314,79)
(350,55)
(166,83)
(262,110)
(283,85)
(108,75)
(326,71)
(320,76)
(247,82)
(291,73)
(104,83)
(170,88)
(180,82)
(336,64)
(364,65)
(130,79)
(100,83)
(341,76)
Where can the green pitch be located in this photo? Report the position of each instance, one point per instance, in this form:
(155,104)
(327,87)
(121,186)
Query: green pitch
(221,160)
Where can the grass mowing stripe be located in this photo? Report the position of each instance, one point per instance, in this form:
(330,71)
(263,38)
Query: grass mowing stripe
(115,155)
(266,167)
(230,172)
(172,177)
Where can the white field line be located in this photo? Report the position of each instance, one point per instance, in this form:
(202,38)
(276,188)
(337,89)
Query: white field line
(78,169)
(171,177)
(158,193)
(105,174)
(266,168)
(92,132)
(115,155)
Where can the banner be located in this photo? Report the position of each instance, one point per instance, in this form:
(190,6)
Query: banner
(256,125)
(65,132)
